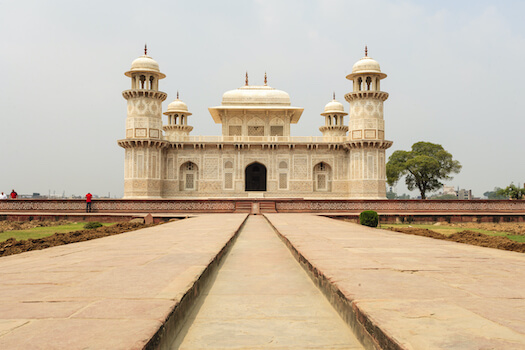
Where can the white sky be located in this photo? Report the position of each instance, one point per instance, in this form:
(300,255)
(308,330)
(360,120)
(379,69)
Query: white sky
(454,70)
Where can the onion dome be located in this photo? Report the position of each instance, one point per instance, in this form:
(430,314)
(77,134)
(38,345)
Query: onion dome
(145,64)
(366,65)
(177,106)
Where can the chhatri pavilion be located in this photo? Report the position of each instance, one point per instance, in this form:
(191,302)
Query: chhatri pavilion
(255,156)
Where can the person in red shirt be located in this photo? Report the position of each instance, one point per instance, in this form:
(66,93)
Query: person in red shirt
(13,194)
(88,202)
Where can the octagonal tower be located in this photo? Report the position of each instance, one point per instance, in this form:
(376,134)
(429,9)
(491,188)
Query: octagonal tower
(144,141)
(366,139)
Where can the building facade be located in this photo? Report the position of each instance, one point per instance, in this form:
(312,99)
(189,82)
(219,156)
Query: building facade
(255,156)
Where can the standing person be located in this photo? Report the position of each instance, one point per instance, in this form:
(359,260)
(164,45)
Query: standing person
(3,196)
(13,194)
(88,202)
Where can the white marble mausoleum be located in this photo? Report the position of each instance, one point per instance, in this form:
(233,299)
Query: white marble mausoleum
(255,156)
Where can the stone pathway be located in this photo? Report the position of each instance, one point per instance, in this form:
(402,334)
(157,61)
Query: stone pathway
(263,299)
(406,292)
(415,292)
(109,293)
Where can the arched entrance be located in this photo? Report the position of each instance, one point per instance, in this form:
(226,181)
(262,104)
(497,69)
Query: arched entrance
(255,177)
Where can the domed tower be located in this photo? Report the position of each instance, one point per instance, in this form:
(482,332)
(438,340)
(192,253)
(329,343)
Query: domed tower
(334,114)
(366,139)
(177,126)
(143,142)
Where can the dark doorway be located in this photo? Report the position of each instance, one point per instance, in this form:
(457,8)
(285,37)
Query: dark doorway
(255,177)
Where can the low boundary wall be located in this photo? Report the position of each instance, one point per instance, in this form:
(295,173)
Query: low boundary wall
(288,205)
(390,210)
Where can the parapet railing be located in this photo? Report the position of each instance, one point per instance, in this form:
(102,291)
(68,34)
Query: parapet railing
(265,139)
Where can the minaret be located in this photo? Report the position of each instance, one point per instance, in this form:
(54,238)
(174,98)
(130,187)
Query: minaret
(366,139)
(334,114)
(177,126)
(144,141)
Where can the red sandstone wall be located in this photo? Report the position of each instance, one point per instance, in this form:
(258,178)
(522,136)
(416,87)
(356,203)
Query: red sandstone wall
(281,205)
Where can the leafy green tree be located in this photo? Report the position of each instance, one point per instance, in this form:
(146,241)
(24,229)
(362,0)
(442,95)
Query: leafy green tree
(391,195)
(496,194)
(512,192)
(423,167)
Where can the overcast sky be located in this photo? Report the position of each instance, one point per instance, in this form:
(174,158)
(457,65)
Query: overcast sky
(455,77)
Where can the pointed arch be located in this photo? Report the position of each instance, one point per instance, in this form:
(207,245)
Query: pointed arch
(322,177)
(255,177)
(188,178)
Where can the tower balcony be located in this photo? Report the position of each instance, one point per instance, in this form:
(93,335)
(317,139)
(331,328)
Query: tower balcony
(357,95)
(378,144)
(134,143)
(136,93)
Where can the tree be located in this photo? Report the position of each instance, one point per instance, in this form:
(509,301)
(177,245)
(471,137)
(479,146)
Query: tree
(423,167)
(496,194)
(512,192)
(391,195)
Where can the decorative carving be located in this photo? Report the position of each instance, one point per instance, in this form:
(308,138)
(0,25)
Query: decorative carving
(141,132)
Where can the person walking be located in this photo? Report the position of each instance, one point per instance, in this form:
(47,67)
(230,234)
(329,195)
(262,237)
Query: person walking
(88,202)
(13,194)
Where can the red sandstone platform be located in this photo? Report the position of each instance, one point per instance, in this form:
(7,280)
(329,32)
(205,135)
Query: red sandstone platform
(396,291)
(111,293)
(413,292)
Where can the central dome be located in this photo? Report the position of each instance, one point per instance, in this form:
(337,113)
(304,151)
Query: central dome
(255,96)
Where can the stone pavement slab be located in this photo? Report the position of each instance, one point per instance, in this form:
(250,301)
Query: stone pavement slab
(263,299)
(109,293)
(414,292)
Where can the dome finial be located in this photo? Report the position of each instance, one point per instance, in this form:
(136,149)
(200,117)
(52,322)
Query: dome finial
(366,51)
(265,79)
(177,94)
(333,97)
(145,49)
(246,80)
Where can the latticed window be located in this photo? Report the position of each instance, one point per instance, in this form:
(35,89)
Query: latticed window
(276,130)
(228,165)
(283,181)
(228,181)
(235,130)
(322,177)
(189,181)
(283,165)
(321,181)
(255,130)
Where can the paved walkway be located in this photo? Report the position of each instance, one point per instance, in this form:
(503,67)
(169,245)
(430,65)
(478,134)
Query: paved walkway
(419,292)
(263,299)
(406,291)
(109,293)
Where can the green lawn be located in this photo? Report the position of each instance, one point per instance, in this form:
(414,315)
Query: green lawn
(447,230)
(39,232)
